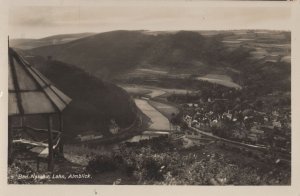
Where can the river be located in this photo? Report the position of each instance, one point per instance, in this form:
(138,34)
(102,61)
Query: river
(159,121)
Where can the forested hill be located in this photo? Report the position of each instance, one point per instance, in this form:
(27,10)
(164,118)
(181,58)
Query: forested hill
(107,55)
(94,102)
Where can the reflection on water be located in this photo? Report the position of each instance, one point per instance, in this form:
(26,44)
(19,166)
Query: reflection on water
(146,135)
(138,138)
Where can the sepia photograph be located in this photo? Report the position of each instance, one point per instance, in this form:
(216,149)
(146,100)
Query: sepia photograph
(149,95)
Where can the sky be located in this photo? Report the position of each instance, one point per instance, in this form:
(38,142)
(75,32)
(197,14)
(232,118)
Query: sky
(41,21)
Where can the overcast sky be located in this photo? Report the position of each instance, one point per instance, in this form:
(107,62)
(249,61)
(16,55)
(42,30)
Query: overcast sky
(41,21)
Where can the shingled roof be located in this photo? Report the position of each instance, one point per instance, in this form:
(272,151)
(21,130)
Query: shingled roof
(29,91)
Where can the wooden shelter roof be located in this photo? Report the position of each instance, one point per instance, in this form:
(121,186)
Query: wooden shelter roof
(30,92)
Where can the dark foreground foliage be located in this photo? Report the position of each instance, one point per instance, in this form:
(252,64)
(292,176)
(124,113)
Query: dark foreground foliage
(18,171)
(208,165)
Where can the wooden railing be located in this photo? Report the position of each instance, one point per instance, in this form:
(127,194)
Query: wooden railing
(34,140)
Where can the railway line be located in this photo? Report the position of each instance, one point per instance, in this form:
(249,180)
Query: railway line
(262,150)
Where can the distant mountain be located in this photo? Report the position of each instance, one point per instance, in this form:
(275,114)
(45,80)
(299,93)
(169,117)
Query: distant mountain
(94,102)
(254,55)
(51,40)
(107,54)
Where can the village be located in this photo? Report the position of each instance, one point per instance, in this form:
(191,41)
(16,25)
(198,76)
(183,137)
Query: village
(241,122)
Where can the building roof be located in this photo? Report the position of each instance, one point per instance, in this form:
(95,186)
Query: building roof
(29,91)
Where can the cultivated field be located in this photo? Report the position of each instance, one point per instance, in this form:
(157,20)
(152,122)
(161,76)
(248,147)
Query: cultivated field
(220,79)
(151,90)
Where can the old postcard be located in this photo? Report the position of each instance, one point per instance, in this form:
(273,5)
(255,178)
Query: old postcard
(150,93)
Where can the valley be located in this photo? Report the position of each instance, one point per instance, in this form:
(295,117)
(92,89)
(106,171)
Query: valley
(168,104)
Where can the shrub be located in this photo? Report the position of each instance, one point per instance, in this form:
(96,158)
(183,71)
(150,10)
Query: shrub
(101,164)
(20,168)
(129,167)
(152,169)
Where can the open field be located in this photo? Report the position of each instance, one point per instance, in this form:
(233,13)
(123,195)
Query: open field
(133,90)
(151,90)
(220,79)
(142,90)
(267,46)
(165,109)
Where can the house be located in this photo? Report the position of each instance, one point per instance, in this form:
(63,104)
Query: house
(192,135)
(190,105)
(276,124)
(88,136)
(239,134)
(188,120)
(256,130)
(113,127)
(252,137)
(176,135)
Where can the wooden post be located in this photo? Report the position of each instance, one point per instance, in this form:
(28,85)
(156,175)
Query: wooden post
(50,145)
(10,143)
(37,164)
(22,122)
(61,143)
